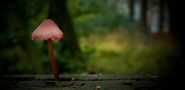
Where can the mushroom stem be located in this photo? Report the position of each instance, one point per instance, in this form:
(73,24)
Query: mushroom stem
(52,59)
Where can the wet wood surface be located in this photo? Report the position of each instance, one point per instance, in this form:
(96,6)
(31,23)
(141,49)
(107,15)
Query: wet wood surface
(81,82)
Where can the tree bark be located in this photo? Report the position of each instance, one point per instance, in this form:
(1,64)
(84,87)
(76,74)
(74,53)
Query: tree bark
(144,13)
(131,9)
(161,14)
(60,13)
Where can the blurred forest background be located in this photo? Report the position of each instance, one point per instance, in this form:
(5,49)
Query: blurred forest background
(102,36)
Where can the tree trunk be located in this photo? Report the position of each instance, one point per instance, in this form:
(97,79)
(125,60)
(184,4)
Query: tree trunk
(144,13)
(161,14)
(59,12)
(131,9)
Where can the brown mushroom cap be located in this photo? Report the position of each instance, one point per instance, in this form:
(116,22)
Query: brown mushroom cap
(47,29)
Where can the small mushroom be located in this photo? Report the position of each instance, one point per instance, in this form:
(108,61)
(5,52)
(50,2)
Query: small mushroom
(98,87)
(49,31)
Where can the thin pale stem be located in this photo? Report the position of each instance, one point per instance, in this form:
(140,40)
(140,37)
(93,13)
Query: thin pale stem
(52,59)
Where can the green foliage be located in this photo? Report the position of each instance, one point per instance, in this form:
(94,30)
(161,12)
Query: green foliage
(18,52)
(109,41)
(117,52)
(92,14)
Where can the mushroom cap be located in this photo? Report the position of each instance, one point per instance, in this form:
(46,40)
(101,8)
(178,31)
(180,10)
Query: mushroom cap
(47,29)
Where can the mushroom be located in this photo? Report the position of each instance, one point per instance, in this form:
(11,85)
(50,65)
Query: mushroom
(49,31)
